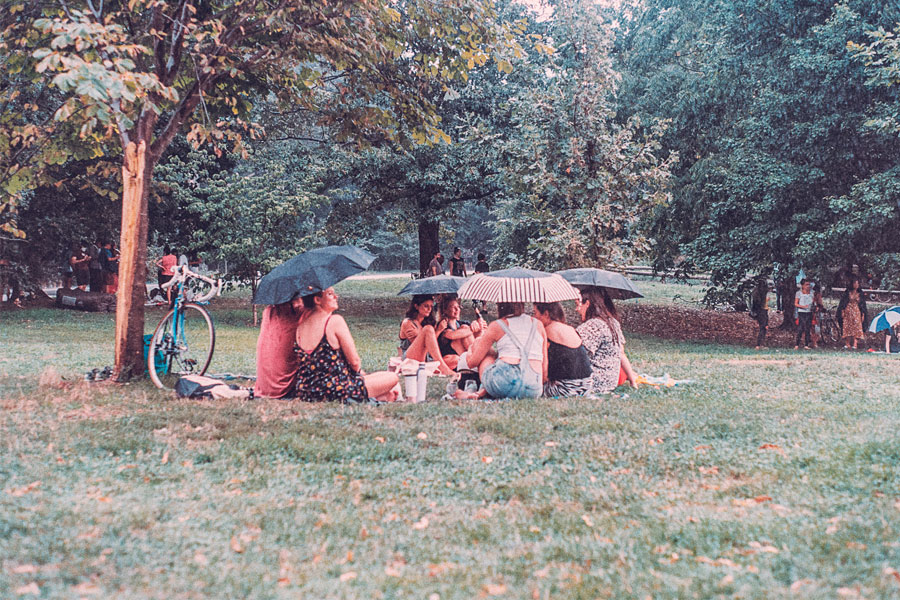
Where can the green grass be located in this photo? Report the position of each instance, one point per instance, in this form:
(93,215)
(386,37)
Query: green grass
(774,475)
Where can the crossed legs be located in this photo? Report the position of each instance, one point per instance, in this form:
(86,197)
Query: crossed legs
(426,343)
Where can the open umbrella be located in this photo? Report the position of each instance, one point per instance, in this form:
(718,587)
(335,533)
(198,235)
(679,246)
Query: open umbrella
(885,319)
(439,284)
(518,285)
(311,272)
(616,285)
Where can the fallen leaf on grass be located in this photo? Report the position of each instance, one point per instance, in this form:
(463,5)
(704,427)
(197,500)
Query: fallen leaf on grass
(21,569)
(165,457)
(495,589)
(587,520)
(846,592)
(422,435)
(751,501)
(541,573)
(349,575)
(702,447)
(551,444)
(726,581)
(86,587)
(774,447)
(31,588)
(889,572)
(440,568)
(655,441)
(392,571)
(379,439)
(800,583)
(856,546)
(421,524)
(487,459)
(236,545)
(24,490)
(283,582)
(709,470)
(125,468)
(764,548)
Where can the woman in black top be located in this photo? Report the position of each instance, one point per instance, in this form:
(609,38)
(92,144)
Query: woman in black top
(568,364)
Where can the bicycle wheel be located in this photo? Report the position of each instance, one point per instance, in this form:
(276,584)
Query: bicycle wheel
(830,332)
(182,345)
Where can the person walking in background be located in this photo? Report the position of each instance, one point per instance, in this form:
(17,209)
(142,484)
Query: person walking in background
(481,266)
(457,264)
(759,309)
(803,302)
(851,313)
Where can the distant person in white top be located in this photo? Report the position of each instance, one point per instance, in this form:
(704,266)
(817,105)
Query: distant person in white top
(183,260)
(803,301)
(518,367)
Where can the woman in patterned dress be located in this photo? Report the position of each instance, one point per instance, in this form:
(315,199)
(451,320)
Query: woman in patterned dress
(602,337)
(851,314)
(328,366)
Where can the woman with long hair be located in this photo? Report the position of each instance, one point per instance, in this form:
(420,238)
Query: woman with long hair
(417,334)
(328,366)
(568,364)
(455,336)
(852,313)
(518,367)
(602,336)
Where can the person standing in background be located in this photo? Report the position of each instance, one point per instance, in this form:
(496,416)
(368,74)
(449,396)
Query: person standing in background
(481,266)
(95,269)
(803,302)
(457,264)
(436,266)
(759,307)
(79,261)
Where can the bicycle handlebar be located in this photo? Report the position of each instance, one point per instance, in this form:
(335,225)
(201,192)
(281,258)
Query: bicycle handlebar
(182,273)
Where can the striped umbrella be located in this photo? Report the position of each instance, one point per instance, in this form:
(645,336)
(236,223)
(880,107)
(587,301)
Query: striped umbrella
(885,319)
(518,285)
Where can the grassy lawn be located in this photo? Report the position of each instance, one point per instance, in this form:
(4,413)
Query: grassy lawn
(774,475)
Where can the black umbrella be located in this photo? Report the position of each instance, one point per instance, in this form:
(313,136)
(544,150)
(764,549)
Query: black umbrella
(439,284)
(311,272)
(616,285)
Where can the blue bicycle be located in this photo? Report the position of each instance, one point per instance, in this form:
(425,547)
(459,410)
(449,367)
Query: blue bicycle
(184,340)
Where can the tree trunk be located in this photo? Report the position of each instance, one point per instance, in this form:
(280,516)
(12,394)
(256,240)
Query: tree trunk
(429,244)
(786,289)
(136,175)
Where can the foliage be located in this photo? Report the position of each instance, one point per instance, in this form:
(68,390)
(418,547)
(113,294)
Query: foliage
(578,178)
(252,217)
(769,113)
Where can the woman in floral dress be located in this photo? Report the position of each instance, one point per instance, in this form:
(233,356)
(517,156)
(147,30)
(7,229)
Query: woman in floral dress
(851,314)
(602,337)
(328,366)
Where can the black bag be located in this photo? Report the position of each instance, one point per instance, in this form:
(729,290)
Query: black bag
(200,386)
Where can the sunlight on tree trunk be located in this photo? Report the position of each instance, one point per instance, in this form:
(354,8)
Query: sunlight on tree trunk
(132,264)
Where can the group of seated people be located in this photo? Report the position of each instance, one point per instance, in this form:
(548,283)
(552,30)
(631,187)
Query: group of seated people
(305,351)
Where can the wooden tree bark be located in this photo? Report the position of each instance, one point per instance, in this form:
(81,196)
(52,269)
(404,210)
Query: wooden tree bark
(787,288)
(136,175)
(428,242)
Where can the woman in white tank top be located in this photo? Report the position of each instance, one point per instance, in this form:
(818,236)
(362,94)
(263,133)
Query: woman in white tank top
(518,367)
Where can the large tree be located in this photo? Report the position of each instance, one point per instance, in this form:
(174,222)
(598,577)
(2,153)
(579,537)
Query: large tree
(578,172)
(136,73)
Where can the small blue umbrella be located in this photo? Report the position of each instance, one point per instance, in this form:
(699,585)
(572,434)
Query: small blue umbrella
(311,272)
(885,319)
(439,284)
